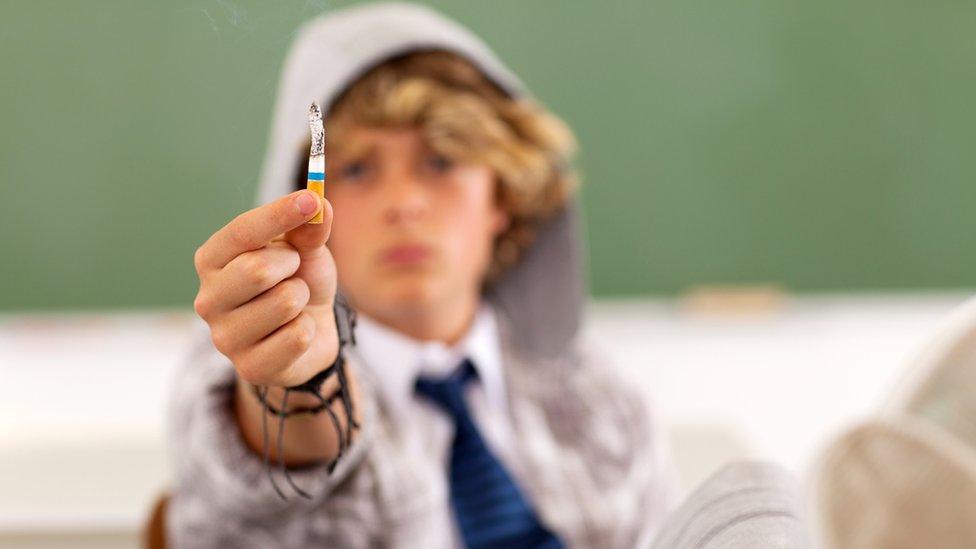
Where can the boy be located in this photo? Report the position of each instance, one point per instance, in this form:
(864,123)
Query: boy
(451,230)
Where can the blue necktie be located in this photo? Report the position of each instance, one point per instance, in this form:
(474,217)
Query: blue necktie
(488,505)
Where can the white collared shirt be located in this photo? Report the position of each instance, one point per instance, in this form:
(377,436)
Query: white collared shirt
(396,360)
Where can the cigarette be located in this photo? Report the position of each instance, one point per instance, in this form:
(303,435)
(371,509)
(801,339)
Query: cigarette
(316,157)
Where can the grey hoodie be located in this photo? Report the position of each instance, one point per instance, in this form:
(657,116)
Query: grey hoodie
(599,471)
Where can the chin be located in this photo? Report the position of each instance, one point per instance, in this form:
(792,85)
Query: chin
(408,295)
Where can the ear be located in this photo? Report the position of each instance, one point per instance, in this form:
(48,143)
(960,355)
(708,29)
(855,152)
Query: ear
(500,220)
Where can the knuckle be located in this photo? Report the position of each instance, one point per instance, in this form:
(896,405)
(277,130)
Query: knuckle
(290,306)
(202,305)
(222,340)
(294,297)
(199,258)
(300,336)
(302,340)
(259,271)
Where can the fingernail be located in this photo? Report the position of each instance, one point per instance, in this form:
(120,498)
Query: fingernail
(307,203)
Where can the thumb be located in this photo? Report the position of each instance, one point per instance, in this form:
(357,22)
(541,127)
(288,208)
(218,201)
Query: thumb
(316,267)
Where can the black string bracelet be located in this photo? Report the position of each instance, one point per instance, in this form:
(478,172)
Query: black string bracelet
(345,318)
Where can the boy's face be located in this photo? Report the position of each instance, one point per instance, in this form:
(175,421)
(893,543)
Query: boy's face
(413,232)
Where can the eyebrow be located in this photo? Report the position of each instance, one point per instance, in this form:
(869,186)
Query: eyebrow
(353,148)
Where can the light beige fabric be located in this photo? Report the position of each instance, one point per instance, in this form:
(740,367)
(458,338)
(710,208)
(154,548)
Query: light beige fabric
(907,478)
(898,483)
(941,387)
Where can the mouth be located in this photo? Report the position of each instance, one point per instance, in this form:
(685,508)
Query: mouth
(406,255)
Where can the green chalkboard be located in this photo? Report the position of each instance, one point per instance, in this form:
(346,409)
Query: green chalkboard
(820,145)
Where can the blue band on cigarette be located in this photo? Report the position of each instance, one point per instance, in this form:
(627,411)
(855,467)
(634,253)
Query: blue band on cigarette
(316,176)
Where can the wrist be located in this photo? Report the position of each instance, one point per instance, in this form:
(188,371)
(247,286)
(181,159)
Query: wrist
(274,396)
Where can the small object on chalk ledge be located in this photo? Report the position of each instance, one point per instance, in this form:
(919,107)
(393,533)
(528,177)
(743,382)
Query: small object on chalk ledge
(316,157)
(734,301)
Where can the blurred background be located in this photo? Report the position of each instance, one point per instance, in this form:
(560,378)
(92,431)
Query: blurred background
(779,199)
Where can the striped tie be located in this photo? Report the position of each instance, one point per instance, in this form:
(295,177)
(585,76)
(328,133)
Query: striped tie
(488,505)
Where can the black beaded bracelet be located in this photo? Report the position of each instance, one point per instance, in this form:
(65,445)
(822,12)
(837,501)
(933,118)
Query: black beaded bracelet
(345,318)
(311,410)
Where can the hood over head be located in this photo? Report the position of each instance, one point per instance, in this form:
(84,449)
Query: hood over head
(541,296)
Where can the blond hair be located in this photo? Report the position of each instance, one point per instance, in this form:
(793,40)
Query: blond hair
(464,116)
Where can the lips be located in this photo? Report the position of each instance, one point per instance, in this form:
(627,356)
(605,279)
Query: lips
(406,254)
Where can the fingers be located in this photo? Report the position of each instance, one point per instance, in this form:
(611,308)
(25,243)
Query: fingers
(293,353)
(244,326)
(267,286)
(255,228)
(316,267)
(246,277)
(271,361)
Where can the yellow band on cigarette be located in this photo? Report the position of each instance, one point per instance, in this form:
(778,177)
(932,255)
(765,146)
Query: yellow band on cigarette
(318,187)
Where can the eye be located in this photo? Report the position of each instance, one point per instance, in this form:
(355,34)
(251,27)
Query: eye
(438,163)
(353,171)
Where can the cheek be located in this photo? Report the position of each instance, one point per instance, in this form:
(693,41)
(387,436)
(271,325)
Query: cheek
(348,233)
(473,218)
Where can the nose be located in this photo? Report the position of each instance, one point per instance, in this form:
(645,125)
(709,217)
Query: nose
(405,201)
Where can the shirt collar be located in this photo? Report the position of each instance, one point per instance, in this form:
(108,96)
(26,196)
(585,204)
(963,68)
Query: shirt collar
(397,359)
